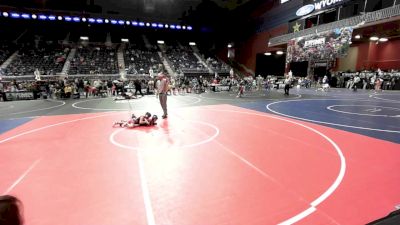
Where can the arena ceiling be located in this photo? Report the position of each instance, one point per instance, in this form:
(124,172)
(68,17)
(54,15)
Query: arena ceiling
(170,9)
(165,9)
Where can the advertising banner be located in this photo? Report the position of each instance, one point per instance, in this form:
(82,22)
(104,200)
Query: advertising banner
(322,46)
(12,96)
(311,6)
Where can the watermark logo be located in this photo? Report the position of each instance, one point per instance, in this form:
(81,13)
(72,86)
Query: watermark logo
(305,10)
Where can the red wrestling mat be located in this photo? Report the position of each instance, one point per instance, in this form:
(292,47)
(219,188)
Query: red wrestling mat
(205,165)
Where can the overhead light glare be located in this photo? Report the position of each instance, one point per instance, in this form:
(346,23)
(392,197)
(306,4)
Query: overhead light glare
(15,15)
(374,38)
(383,39)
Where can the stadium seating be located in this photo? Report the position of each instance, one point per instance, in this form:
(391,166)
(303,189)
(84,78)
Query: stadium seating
(6,49)
(94,60)
(139,60)
(48,58)
(217,66)
(183,60)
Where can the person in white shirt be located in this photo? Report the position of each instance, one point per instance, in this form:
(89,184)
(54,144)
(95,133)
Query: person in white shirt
(325,83)
(37,74)
(162,92)
(356,80)
(157,84)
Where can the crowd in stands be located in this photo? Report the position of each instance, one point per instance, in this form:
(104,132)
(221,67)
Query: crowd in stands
(94,60)
(217,65)
(183,60)
(389,80)
(6,50)
(48,57)
(141,61)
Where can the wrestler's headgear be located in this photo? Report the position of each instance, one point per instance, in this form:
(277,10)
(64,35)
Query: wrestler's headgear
(148,115)
(153,120)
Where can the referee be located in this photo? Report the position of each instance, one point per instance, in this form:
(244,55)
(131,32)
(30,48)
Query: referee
(162,93)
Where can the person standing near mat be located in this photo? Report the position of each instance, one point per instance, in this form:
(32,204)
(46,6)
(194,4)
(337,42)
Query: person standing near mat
(287,83)
(162,93)
(10,210)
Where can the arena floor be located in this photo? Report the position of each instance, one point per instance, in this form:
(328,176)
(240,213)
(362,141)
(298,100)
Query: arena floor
(309,158)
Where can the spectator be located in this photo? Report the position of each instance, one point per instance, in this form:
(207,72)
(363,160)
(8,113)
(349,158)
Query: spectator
(162,92)
(10,210)
(138,87)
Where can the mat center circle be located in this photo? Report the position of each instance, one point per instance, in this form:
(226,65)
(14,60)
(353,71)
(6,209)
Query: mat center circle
(366,110)
(180,134)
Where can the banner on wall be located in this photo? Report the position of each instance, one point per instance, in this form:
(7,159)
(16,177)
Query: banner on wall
(310,6)
(322,46)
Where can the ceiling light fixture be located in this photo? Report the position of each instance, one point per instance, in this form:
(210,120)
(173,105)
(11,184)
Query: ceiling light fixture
(374,38)
(383,39)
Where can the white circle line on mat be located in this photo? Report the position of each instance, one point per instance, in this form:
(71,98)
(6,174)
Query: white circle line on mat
(292,220)
(75,105)
(96,99)
(53,125)
(146,197)
(323,122)
(217,131)
(388,100)
(41,109)
(247,98)
(331,107)
(334,185)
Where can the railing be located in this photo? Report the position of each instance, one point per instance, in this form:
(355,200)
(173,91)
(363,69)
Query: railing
(60,76)
(350,22)
(194,70)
